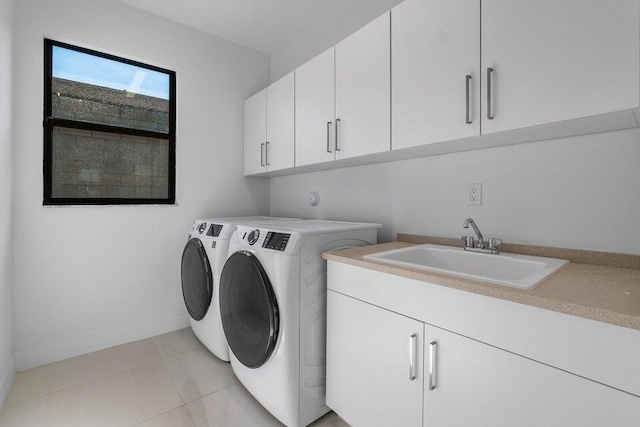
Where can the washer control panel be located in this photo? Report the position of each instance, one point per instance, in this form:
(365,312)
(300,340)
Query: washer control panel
(202,227)
(282,240)
(276,241)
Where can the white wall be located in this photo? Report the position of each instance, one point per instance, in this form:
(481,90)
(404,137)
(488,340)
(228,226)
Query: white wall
(7,367)
(326,31)
(90,277)
(580,192)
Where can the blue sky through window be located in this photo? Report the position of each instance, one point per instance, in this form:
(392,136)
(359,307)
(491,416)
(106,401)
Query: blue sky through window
(81,67)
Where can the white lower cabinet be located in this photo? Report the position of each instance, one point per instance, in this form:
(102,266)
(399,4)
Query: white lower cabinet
(369,353)
(385,369)
(476,384)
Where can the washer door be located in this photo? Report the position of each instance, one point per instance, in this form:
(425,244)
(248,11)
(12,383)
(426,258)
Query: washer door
(197,280)
(249,309)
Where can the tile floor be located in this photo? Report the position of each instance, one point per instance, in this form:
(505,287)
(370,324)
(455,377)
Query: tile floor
(169,380)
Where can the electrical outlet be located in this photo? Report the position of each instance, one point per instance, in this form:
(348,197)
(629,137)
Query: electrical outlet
(475,194)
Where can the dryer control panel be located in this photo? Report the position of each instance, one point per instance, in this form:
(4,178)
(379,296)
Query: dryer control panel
(214,230)
(276,241)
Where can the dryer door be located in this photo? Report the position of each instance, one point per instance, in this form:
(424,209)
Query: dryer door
(197,280)
(249,309)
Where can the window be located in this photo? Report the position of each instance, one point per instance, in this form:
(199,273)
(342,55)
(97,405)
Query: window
(109,129)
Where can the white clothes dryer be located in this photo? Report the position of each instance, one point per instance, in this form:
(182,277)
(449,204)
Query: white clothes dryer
(273,299)
(202,260)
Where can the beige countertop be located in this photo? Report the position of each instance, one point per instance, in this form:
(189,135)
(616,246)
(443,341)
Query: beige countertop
(603,293)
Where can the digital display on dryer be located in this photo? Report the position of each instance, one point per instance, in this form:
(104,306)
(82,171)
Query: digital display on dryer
(214,230)
(276,241)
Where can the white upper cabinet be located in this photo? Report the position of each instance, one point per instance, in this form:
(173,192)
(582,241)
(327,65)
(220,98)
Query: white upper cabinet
(453,76)
(255,133)
(558,60)
(435,71)
(280,124)
(363,79)
(315,110)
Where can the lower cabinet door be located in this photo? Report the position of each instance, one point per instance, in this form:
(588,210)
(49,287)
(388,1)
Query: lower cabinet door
(374,364)
(468,383)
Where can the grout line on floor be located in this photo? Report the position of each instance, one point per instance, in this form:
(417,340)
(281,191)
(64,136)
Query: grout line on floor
(213,392)
(207,395)
(165,413)
(174,382)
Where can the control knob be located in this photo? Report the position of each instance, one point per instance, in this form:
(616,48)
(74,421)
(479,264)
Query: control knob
(252,238)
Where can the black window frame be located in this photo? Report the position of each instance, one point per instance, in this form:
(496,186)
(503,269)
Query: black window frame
(50,122)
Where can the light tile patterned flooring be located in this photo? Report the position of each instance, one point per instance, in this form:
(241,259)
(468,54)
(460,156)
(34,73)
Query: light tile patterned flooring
(169,380)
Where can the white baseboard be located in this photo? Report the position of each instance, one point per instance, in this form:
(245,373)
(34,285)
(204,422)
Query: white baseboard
(27,359)
(7,380)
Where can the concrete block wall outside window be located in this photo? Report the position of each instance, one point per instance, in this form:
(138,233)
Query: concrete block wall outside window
(91,164)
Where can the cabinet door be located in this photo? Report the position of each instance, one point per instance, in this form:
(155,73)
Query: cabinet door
(369,352)
(363,91)
(255,133)
(280,124)
(558,60)
(315,110)
(480,385)
(435,71)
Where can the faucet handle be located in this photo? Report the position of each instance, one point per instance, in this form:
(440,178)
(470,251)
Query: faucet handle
(468,241)
(494,243)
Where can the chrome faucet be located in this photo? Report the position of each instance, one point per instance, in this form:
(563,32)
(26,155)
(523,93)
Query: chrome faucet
(478,245)
(470,221)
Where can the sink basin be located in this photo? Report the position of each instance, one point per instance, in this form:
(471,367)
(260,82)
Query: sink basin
(518,271)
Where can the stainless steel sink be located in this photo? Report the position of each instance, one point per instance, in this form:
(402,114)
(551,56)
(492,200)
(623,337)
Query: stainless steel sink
(518,271)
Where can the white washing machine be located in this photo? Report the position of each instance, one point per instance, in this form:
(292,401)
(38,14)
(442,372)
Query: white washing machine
(273,300)
(202,261)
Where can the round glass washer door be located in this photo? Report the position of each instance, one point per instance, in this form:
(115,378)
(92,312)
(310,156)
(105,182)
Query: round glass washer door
(197,280)
(249,310)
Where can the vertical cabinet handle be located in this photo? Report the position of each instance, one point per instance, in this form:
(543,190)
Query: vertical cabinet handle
(489,79)
(262,154)
(413,339)
(329,137)
(266,153)
(433,354)
(337,134)
(467,87)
